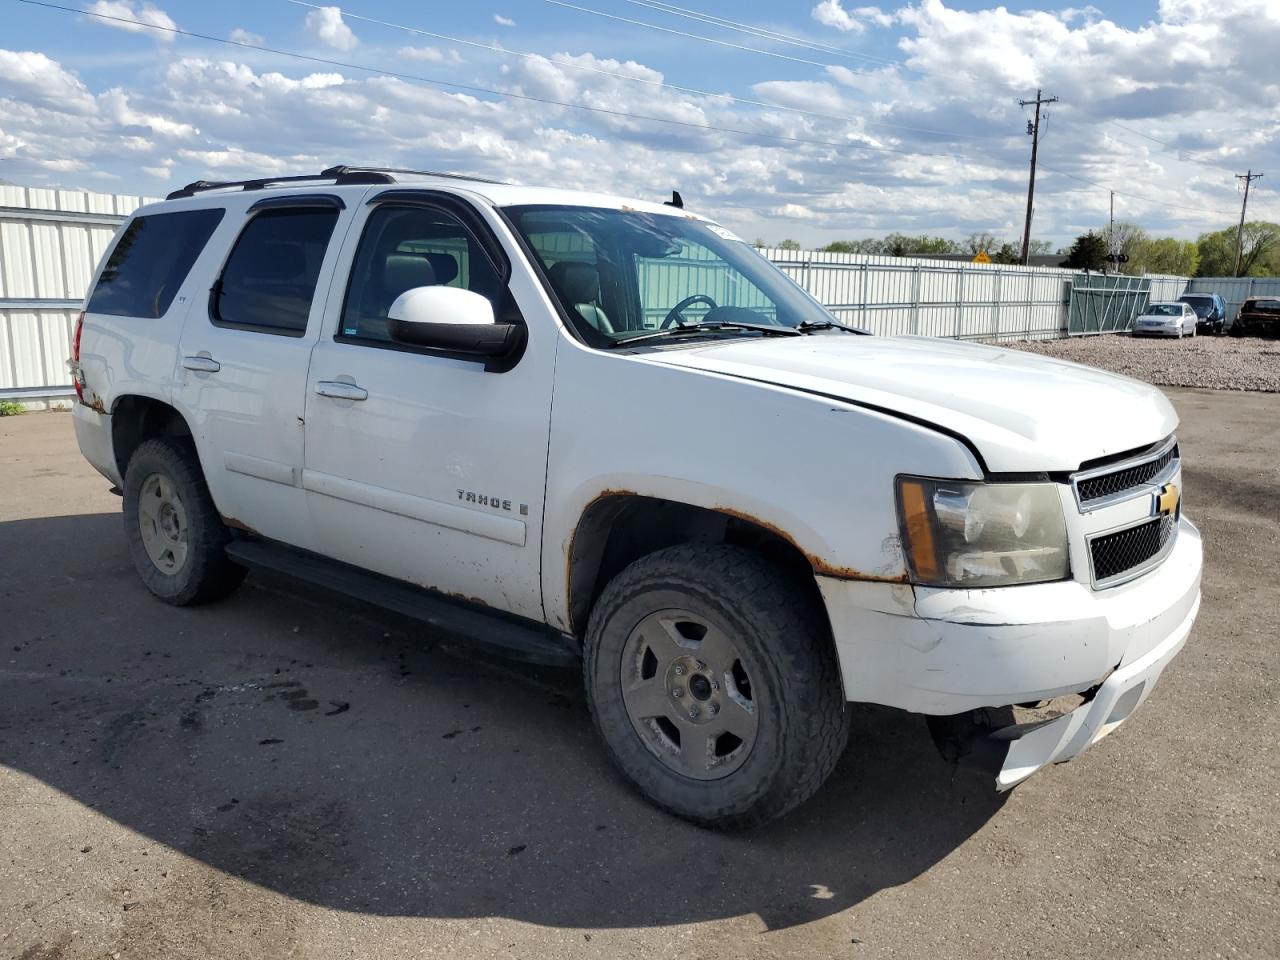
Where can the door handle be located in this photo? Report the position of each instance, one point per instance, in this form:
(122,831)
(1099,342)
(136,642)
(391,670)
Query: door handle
(201,364)
(339,390)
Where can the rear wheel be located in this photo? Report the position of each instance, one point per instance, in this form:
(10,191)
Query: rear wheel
(713,681)
(176,539)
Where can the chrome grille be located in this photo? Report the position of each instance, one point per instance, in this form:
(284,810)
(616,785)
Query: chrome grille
(1128,552)
(1093,487)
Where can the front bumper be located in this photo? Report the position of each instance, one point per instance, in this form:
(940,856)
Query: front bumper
(1163,330)
(948,652)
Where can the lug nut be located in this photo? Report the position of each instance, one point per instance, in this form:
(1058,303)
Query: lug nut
(715,708)
(715,685)
(677,692)
(693,713)
(679,670)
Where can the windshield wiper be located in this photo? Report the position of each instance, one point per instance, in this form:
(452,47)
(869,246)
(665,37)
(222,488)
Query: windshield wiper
(713,325)
(809,326)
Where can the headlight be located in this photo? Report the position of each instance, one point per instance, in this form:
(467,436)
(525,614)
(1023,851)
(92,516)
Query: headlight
(962,534)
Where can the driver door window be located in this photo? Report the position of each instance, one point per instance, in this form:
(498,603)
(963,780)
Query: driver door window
(407,247)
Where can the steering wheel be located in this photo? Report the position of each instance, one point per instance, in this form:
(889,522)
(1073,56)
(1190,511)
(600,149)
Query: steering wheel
(676,311)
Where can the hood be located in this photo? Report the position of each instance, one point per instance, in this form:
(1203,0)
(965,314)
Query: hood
(1022,412)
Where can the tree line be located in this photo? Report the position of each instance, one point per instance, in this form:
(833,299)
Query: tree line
(1212,254)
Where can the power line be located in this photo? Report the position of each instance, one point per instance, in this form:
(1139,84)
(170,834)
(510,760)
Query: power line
(760,32)
(729,98)
(692,36)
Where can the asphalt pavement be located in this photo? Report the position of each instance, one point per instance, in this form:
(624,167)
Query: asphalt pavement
(291,774)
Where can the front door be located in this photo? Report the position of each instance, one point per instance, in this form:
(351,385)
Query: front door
(419,465)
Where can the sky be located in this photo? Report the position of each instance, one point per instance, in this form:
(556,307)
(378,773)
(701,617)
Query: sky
(813,120)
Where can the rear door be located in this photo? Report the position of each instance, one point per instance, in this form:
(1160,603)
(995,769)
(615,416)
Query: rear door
(421,465)
(242,361)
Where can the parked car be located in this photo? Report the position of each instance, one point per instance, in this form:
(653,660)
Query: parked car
(1166,319)
(1210,308)
(604,432)
(1257,315)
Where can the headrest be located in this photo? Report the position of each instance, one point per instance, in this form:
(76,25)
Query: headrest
(444,264)
(577,282)
(287,259)
(404,271)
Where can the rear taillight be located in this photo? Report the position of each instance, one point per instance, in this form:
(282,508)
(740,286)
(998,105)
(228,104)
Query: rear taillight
(76,379)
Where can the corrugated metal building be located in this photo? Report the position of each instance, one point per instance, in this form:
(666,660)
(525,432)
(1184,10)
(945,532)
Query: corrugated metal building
(50,243)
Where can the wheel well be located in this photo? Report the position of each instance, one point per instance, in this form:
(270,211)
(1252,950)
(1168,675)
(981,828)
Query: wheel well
(135,419)
(618,529)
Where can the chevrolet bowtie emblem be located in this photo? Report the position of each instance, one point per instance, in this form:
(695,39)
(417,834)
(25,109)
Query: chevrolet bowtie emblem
(1167,499)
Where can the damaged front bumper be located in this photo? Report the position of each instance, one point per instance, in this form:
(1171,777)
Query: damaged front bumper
(954,654)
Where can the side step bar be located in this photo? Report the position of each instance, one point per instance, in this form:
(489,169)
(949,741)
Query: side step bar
(504,634)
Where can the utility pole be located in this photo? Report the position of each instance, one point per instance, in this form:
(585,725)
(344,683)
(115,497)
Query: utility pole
(1031,185)
(1111,234)
(1248,178)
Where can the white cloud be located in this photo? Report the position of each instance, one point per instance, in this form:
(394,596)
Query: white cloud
(953,157)
(326,25)
(502,21)
(832,13)
(430,54)
(240,35)
(125,11)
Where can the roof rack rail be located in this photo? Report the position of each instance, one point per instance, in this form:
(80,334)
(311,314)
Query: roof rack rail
(341,175)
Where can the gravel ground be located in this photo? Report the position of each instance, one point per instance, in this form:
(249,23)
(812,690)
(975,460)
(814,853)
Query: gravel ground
(1212,363)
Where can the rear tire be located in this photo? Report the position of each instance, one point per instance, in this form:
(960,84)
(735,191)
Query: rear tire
(714,684)
(176,539)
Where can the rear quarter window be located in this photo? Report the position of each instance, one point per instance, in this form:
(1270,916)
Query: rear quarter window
(150,261)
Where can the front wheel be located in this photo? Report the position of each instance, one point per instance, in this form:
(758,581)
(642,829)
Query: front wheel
(713,682)
(176,539)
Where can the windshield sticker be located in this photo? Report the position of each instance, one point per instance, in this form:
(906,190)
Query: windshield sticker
(721,232)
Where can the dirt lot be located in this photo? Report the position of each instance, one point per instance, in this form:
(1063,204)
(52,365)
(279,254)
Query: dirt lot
(289,775)
(1214,363)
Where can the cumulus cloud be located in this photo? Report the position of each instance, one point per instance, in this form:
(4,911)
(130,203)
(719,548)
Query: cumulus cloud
(240,35)
(430,54)
(145,17)
(326,25)
(832,13)
(936,146)
(502,21)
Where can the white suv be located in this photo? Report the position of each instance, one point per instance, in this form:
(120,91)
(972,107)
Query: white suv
(575,427)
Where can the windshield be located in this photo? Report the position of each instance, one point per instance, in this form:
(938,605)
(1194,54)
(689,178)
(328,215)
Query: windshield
(1201,305)
(624,274)
(1165,310)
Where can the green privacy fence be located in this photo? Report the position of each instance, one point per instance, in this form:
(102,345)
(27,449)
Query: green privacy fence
(1105,304)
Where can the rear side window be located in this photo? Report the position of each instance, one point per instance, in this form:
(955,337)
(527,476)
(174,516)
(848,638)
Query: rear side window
(270,278)
(150,262)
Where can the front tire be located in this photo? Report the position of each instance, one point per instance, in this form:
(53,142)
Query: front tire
(176,539)
(713,682)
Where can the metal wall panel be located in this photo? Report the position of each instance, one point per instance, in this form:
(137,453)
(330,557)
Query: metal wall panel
(50,244)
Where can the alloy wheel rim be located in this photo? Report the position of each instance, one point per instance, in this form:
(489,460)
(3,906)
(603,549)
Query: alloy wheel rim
(688,694)
(162,521)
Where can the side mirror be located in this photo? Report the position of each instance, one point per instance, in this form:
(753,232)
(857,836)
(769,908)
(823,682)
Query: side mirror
(453,319)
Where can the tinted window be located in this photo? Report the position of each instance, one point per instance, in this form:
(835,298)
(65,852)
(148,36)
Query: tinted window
(407,247)
(270,277)
(149,263)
